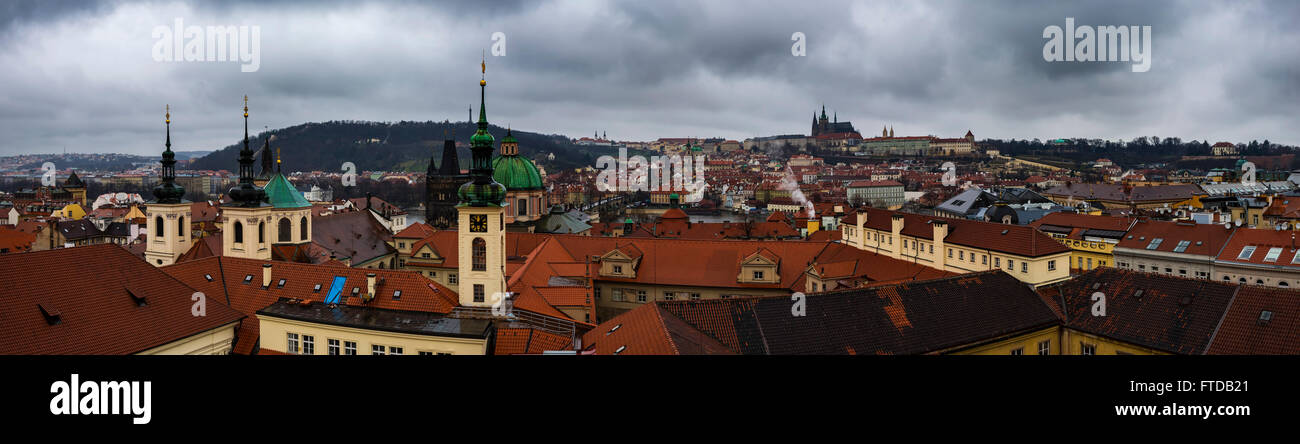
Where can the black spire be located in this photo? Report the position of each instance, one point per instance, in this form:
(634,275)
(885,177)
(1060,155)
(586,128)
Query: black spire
(246,194)
(168,192)
(450,165)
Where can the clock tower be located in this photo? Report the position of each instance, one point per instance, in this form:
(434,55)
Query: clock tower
(481,230)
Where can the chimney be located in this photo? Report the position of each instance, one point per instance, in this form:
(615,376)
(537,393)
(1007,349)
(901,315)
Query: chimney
(266,275)
(940,235)
(367,201)
(370,286)
(896,229)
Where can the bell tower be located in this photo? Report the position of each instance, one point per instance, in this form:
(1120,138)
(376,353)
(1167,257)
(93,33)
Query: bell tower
(169,214)
(246,222)
(481,226)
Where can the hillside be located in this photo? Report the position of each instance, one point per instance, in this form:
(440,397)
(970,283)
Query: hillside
(382,146)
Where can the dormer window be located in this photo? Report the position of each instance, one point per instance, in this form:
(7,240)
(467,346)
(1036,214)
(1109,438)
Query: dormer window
(618,269)
(758,275)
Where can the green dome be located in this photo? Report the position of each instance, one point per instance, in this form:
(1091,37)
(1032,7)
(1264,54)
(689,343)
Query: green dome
(481,195)
(516,173)
(481,137)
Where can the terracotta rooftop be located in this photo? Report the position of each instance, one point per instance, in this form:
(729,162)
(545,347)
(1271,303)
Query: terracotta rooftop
(127,307)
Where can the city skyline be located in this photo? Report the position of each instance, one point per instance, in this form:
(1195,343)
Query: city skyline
(640,72)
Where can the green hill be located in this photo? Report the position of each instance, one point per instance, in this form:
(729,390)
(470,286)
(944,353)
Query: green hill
(383,146)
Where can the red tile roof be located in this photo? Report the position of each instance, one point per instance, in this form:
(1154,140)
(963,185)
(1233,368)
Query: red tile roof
(102,315)
(1246,331)
(1171,314)
(1202,239)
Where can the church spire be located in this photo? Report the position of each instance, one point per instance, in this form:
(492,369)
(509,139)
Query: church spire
(246,193)
(168,192)
(482,190)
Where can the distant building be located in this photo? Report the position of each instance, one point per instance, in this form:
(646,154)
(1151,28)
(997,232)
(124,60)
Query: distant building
(886,194)
(1223,149)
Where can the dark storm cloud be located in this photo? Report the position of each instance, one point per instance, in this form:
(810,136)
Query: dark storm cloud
(79,74)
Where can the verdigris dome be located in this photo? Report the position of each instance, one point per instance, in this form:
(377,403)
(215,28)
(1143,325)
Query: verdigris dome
(516,173)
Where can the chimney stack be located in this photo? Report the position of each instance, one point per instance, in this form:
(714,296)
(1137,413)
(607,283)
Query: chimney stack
(370,286)
(266,275)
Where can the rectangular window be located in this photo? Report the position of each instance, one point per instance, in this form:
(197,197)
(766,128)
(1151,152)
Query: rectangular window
(479,295)
(332,347)
(961,255)
(377,349)
(425,353)
(394,350)
(451,278)
(1045,347)
(308,345)
(1051,265)
(1087,349)
(1273,254)
(668,295)
(1155,243)
(640,296)
(1018,351)
(997,262)
(349,348)
(695,296)
(984,259)
(1182,246)
(1024,267)
(618,269)
(1011,264)
(1089,264)
(949,253)
(292,344)
(616,295)
(1246,252)
(758,275)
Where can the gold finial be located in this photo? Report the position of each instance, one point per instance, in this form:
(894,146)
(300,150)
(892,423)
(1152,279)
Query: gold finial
(245,105)
(483,65)
(169,113)
(277,154)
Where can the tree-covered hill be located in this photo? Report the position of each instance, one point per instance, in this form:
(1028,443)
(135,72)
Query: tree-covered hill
(384,146)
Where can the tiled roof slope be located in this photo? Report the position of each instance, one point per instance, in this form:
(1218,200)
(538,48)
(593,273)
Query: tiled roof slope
(1203,239)
(93,294)
(1248,330)
(228,285)
(1175,315)
(911,318)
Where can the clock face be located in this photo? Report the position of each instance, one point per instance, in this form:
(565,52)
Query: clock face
(478,223)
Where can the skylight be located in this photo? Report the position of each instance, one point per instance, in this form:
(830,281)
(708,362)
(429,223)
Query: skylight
(1182,246)
(1155,243)
(1273,254)
(280,284)
(1246,252)
(248,279)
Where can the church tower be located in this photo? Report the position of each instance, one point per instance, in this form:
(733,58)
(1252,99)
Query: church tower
(481,226)
(76,187)
(440,185)
(244,221)
(169,213)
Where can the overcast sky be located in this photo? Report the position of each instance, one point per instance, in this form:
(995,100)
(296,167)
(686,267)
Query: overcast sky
(81,76)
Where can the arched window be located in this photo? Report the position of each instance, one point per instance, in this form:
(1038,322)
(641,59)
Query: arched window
(302,229)
(180,227)
(480,254)
(286,230)
(239,232)
(1283,284)
(158,229)
(261,232)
